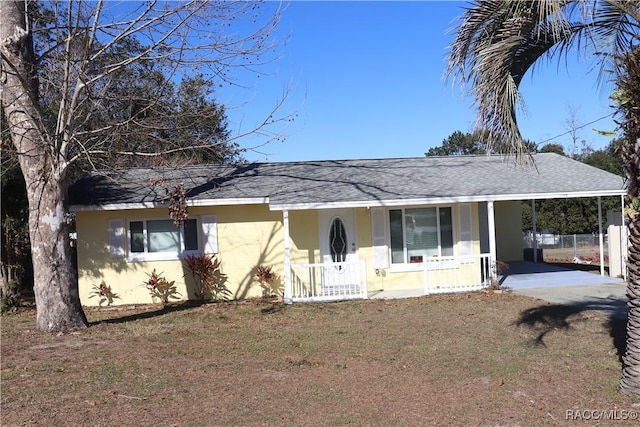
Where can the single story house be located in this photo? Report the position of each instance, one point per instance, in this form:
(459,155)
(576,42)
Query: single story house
(332,229)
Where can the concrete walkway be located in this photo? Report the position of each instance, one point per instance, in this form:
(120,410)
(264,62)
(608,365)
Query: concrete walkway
(397,293)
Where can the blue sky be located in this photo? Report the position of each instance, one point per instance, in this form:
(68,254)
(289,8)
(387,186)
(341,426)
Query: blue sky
(366,81)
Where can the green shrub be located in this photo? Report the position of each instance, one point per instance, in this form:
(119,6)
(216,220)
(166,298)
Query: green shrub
(104,293)
(269,281)
(208,277)
(160,288)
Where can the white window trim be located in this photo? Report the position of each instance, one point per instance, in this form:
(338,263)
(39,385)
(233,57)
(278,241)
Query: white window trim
(161,256)
(117,238)
(419,266)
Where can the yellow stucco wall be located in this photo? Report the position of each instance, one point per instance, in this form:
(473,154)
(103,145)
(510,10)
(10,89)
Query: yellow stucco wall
(248,236)
(508,216)
(95,264)
(304,237)
(393,277)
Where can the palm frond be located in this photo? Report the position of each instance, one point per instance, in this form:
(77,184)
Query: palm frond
(499,41)
(615,30)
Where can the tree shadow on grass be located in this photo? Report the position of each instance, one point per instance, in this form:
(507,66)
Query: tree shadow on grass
(148,314)
(271,307)
(549,317)
(618,331)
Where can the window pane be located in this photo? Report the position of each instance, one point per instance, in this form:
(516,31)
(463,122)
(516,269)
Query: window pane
(422,233)
(397,241)
(163,236)
(137,236)
(191,235)
(446,232)
(338,241)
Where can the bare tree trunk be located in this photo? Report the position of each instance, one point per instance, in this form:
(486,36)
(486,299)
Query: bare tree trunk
(55,283)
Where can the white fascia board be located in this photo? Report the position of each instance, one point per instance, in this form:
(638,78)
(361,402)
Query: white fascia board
(228,202)
(442,200)
(367,203)
(150,205)
(116,206)
(566,195)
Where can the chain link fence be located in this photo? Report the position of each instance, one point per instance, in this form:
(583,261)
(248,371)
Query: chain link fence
(565,248)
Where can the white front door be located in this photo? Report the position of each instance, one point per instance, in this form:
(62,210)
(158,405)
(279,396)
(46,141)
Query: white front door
(338,249)
(337,235)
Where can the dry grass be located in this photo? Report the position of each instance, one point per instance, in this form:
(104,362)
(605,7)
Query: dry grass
(475,359)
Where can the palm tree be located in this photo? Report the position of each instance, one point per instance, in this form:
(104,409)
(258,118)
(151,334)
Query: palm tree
(628,98)
(498,41)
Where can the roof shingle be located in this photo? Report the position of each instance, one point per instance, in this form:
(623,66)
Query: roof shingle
(372,181)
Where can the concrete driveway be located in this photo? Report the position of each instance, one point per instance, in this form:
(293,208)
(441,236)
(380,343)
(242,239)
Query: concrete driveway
(582,290)
(609,298)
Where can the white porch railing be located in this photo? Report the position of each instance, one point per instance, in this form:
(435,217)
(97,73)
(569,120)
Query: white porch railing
(458,274)
(328,281)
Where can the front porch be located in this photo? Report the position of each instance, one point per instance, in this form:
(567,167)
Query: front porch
(330,281)
(344,281)
(334,281)
(533,279)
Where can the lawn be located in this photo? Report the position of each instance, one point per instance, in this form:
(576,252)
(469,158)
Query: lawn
(473,359)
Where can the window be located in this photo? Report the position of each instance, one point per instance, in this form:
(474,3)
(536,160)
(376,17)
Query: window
(162,236)
(338,241)
(418,233)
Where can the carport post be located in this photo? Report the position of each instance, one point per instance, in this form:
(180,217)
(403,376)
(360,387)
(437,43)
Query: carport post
(491,223)
(601,237)
(534,230)
(287,258)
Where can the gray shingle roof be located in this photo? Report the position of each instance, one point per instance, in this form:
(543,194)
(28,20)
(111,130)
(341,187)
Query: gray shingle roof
(355,182)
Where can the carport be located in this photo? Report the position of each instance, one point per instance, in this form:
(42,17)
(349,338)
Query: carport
(528,275)
(579,290)
(552,177)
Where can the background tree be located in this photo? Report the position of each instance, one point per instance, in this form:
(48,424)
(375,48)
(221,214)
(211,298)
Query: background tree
(552,148)
(498,41)
(15,263)
(462,144)
(64,70)
(575,216)
(458,144)
(608,158)
(578,147)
